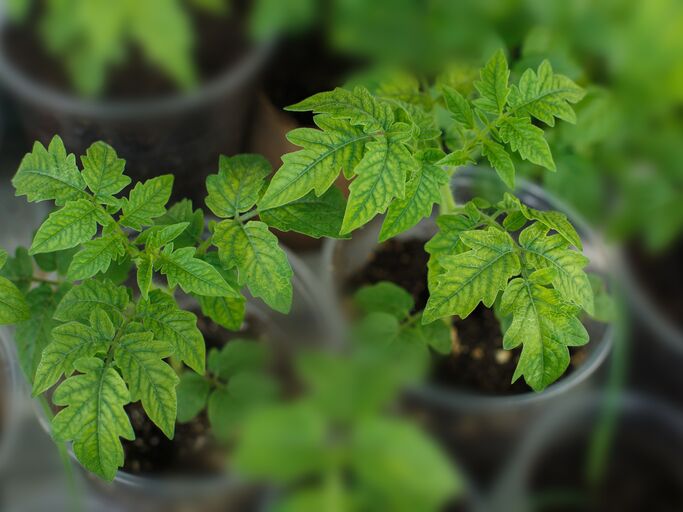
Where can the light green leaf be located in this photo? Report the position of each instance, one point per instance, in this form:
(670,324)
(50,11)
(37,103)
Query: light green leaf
(311,215)
(422,191)
(381,177)
(94,417)
(384,297)
(235,357)
(81,300)
(457,158)
(359,107)
(544,324)
(226,312)
(103,170)
(446,242)
(182,212)
(146,202)
(542,251)
(150,380)
(192,274)
(49,174)
(458,106)
(238,184)
(19,269)
(527,140)
(161,315)
(70,342)
(262,265)
(3,257)
(73,224)
(95,257)
(145,265)
(13,305)
(493,86)
(545,95)
(337,146)
(156,237)
(193,394)
(500,161)
(474,276)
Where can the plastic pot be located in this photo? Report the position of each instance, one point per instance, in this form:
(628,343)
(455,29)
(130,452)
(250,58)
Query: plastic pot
(482,428)
(182,133)
(648,434)
(9,400)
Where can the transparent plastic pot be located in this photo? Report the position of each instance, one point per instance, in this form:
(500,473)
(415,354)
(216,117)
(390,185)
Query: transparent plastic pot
(482,428)
(638,419)
(10,400)
(183,133)
(225,491)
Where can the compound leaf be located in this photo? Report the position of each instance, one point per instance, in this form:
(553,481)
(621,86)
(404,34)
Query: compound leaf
(103,171)
(146,202)
(493,85)
(527,140)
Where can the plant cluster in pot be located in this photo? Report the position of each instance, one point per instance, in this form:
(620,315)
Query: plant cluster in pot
(170,85)
(566,462)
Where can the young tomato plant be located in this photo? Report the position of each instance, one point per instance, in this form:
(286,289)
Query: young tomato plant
(127,343)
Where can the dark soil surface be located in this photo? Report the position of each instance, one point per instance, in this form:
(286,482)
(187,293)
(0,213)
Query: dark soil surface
(220,43)
(478,361)
(640,476)
(661,275)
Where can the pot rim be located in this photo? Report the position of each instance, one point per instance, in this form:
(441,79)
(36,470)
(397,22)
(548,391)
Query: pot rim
(51,98)
(472,401)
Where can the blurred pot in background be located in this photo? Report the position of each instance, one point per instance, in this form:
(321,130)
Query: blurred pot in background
(468,399)
(9,400)
(175,117)
(635,466)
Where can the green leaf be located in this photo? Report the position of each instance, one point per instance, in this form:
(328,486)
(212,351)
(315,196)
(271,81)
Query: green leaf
(605,304)
(282,443)
(493,86)
(73,224)
(103,170)
(70,342)
(58,261)
(527,140)
(235,357)
(94,417)
(19,269)
(422,191)
(13,305)
(193,395)
(161,315)
(192,274)
(182,212)
(457,158)
(542,251)
(545,325)
(359,107)
(311,215)
(500,161)
(3,258)
(145,265)
(150,380)
(146,202)
(81,300)
(384,297)
(474,276)
(228,408)
(262,265)
(95,257)
(337,146)
(381,177)
(402,465)
(224,311)
(545,95)
(49,174)
(436,335)
(238,184)
(446,242)
(458,106)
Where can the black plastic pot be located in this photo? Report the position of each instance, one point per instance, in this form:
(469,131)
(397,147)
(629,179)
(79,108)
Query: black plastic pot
(483,428)
(644,460)
(182,133)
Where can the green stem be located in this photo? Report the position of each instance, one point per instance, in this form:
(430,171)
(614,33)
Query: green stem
(47,281)
(204,246)
(447,204)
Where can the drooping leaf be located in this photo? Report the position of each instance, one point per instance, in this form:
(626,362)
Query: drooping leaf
(336,146)
(13,305)
(544,324)
(238,184)
(493,85)
(73,224)
(193,274)
(161,315)
(474,276)
(150,380)
(103,171)
(146,202)
(500,161)
(95,257)
(384,297)
(261,264)
(421,193)
(81,300)
(527,140)
(94,417)
(70,342)
(49,174)
(311,215)
(193,393)
(545,95)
